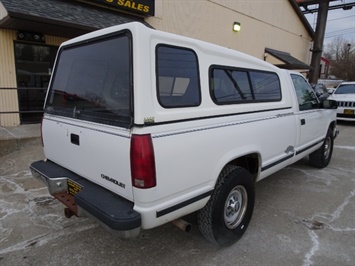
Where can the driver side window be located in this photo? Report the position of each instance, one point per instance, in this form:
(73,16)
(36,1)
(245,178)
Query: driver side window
(305,95)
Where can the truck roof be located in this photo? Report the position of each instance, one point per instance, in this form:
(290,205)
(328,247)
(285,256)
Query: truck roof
(139,29)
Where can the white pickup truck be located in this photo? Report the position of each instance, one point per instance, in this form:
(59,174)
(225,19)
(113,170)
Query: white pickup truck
(143,127)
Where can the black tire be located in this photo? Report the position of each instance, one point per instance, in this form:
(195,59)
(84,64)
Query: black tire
(321,157)
(218,221)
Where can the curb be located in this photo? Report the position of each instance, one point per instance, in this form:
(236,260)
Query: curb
(11,145)
(19,137)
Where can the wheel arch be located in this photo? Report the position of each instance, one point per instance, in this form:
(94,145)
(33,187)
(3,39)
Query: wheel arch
(332,125)
(333,128)
(250,161)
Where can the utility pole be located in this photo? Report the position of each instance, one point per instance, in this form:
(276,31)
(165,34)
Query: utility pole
(318,41)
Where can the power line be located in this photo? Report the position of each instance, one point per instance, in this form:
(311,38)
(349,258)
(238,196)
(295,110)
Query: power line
(340,18)
(328,37)
(340,34)
(337,31)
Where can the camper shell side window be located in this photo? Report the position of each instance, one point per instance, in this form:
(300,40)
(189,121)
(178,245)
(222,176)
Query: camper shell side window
(178,80)
(229,85)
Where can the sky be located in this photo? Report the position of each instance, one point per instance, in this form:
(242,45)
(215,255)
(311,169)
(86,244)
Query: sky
(340,23)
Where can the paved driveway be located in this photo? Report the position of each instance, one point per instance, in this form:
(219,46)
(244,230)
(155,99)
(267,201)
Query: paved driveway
(303,216)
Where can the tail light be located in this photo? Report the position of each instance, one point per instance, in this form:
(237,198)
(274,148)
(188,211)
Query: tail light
(41,131)
(142,161)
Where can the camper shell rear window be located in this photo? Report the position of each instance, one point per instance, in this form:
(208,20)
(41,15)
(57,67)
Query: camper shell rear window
(93,81)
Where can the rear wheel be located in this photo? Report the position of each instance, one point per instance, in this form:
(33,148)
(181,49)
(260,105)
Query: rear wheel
(227,214)
(321,157)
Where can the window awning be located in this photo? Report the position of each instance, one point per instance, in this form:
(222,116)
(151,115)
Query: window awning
(58,17)
(290,61)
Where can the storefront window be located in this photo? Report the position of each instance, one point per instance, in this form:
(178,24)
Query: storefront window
(34,64)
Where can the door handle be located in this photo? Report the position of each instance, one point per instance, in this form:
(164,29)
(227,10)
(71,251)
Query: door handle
(75,139)
(303,121)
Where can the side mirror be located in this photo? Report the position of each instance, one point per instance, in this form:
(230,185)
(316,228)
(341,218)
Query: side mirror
(329,104)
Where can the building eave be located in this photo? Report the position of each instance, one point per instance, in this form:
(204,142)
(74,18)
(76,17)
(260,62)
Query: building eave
(59,17)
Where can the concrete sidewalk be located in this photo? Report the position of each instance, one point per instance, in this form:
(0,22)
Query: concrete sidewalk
(19,137)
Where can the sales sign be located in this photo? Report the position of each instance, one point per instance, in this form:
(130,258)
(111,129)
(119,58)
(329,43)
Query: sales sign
(142,7)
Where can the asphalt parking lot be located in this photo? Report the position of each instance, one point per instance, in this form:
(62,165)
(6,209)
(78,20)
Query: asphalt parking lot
(302,216)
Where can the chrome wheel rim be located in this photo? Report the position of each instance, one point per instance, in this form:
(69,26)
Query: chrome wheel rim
(235,207)
(327,145)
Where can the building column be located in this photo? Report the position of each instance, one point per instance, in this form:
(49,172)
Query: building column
(8,98)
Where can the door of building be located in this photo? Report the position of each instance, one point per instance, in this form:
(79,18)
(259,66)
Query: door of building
(34,63)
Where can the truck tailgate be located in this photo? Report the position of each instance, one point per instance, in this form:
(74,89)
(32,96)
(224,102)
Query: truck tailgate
(99,153)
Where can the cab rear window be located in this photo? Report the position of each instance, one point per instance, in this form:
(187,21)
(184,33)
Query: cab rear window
(93,81)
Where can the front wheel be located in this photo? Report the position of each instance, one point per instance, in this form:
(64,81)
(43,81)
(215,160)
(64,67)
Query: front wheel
(321,157)
(227,214)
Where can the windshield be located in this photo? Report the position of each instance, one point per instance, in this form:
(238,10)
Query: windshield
(92,81)
(345,89)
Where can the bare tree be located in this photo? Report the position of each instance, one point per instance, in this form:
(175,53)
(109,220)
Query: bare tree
(341,54)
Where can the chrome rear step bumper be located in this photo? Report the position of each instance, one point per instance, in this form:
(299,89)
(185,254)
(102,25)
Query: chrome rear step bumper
(89,200)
